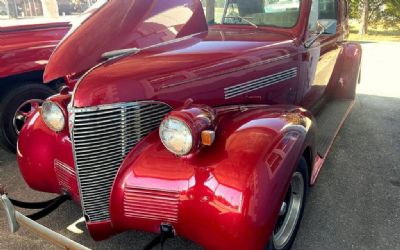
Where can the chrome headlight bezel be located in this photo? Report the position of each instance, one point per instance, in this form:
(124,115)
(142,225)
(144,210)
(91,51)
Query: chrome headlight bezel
(53,116)
(182,136)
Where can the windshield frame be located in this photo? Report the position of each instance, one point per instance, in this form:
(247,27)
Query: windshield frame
(226,5)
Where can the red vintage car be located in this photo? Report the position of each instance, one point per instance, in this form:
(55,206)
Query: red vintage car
(185,125)
(25,47)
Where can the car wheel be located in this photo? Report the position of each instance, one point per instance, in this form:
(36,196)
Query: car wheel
(291,210)
(15,107)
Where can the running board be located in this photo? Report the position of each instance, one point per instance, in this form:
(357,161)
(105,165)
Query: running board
(329,121)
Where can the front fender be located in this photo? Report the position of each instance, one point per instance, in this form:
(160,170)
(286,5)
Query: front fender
(45,158)
(346,73)
(225,197)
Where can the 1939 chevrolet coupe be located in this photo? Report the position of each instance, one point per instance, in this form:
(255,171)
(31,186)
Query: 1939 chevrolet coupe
(188,126)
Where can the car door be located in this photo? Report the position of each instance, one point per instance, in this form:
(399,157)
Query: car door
(323,53)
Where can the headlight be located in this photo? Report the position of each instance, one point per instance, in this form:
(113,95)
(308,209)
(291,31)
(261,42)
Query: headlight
(176,136)
(53,116)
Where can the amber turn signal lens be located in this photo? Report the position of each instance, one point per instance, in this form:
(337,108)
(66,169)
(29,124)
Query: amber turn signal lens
(207,137)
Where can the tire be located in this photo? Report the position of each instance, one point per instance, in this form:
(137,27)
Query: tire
(278,240)
(10,102)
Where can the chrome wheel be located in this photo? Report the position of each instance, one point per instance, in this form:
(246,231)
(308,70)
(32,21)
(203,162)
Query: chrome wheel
(290,212)
(23,112)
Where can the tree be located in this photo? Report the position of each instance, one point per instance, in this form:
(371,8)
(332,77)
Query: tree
(50,8)
(364,18)
(374,12)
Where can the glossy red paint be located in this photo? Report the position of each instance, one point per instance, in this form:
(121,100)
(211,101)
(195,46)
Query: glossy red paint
(27,47)
(184,69)
(140,24)
(347,73)
(56,169)
(188,67)
(227,195)
(218,203)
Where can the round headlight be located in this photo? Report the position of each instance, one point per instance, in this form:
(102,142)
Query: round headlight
(53,116)
(176,136)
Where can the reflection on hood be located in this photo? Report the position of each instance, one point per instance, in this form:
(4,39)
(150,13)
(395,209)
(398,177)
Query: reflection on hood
(122,24)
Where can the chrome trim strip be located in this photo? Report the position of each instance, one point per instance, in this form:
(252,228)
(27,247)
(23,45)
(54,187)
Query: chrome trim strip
(259,83)
(229,71)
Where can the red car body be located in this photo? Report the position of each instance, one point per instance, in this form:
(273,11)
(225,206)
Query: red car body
(25,48)
(224,196)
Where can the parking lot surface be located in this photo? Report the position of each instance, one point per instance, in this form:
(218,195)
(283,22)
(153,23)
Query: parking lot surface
(354,205)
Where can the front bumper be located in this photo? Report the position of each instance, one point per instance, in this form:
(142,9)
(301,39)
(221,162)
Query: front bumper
(16,220)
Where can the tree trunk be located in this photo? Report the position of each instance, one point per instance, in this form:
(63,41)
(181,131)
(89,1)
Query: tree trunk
(50,8)
(364,19)
(210,11)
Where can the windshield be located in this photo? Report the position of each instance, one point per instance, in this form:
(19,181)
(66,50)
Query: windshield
(278,13)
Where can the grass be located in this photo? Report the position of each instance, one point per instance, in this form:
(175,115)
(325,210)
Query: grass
(378,33)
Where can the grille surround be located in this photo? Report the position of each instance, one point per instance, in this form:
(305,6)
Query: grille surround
(102,136)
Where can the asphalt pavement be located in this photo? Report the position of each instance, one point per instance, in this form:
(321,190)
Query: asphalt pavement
(354,205)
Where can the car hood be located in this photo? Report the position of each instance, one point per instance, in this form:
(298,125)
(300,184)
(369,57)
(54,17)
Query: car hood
(122,24)
(198,67)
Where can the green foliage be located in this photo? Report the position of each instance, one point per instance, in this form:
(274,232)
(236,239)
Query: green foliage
(355,9)
(381,12)
(390,14)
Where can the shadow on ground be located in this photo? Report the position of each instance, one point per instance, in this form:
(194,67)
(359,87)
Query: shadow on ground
(356,201)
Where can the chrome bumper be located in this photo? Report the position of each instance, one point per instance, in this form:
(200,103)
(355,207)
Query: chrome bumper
(16,220)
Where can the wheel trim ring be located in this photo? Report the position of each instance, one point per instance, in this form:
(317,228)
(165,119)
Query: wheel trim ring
(31,102)
(285,232)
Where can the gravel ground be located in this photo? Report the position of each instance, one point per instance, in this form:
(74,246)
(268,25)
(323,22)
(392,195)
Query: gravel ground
(354,205)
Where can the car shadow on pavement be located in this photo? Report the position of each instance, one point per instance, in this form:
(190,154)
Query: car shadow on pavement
(356,201)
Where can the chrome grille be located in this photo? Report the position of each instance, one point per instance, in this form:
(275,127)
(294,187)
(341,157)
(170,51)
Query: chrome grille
(102,137)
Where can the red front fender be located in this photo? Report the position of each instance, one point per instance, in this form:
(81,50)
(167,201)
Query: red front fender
(45,158)
(347,72)
(227,196)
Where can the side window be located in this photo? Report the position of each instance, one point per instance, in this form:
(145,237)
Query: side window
(322,12)
(312,21)
(213,10)
(328,9)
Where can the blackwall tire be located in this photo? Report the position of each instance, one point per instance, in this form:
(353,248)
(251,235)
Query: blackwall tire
(10,102)
(281,238)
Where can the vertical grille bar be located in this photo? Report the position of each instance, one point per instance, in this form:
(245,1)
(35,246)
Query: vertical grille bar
(102,137)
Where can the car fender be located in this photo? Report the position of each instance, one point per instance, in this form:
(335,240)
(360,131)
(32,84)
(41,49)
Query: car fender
(45,158)
(227,195)
(346,73)
(28,49)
